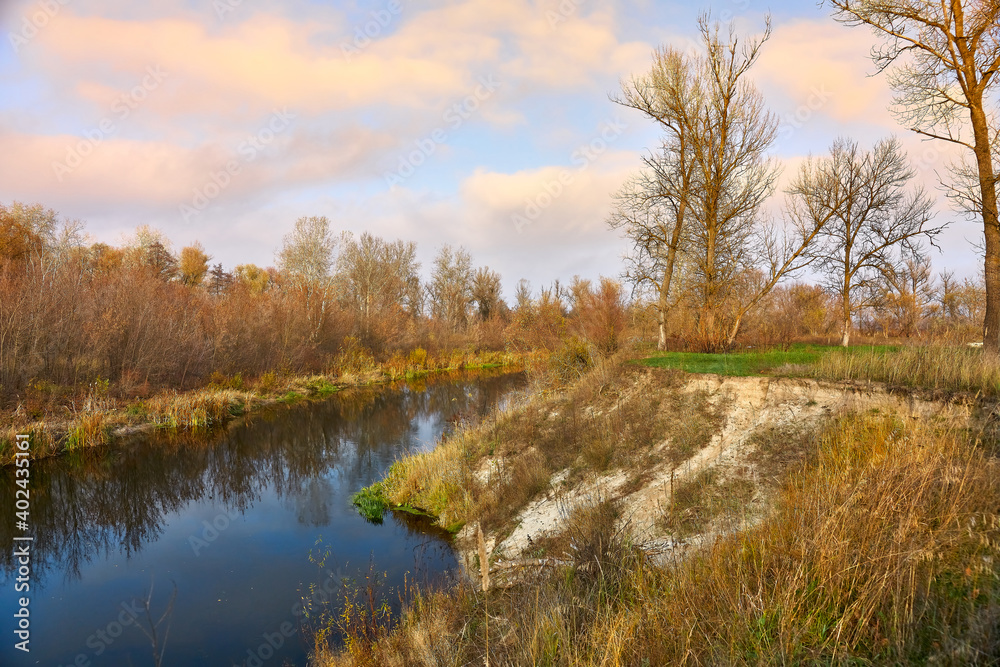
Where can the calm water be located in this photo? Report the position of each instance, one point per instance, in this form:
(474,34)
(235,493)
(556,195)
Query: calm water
(236,533)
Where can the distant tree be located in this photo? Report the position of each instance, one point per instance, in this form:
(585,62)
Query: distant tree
(219,280)
(487,293)
(380,278)
(907,297)
(306,253)
(305,261)
(253,278)
(450,289)
(522,295)
(150,249)
(600,315)
(950,60)
(26,232)
(160,261)
(193,264)
(872,220)
(103,259)
(579,289)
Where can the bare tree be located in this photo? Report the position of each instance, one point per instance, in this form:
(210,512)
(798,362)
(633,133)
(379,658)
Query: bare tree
(381,278)
(946,55)
(450,288)
(305,260)
(872,220)
(522,294)
(908,296)
(306,254)
(652,206)
(487,294)
(696,208)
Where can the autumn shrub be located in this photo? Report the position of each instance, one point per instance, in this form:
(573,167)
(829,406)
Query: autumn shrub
(601,316)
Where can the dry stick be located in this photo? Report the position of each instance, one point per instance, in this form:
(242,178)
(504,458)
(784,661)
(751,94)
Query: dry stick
(158,649)
(484,570)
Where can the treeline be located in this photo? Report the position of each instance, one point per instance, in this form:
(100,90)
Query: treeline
(144,316)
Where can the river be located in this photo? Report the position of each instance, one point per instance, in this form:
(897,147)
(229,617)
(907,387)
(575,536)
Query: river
(225,536)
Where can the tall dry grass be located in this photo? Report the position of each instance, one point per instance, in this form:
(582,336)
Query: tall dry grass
(883,550)
(943,368)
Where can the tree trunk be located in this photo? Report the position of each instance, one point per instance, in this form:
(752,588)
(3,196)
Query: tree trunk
(848,324)
(734,332)
(662,345)
(668,271)
(987,185)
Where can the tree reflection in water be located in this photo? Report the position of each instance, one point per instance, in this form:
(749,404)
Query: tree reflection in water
(98,503)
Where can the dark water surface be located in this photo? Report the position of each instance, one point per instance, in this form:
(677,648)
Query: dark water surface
(230,529)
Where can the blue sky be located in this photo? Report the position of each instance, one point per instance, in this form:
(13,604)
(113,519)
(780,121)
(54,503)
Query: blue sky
(223,121)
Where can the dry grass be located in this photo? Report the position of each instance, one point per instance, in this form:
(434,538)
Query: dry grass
(613,417)
(198,409)
(942,368)
(699,502)
(882,548)
(56,425)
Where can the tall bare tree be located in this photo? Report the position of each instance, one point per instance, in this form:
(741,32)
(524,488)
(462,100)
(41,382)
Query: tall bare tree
(698,203)
(305,261)
(450,289)
(945,58)
(872,219)
(381,278)
(652,206)
(487,293)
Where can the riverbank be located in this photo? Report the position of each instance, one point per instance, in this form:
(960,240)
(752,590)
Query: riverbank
(647,516)
(96,418)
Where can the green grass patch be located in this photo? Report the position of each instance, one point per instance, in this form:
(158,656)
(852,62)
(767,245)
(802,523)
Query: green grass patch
(291,397)
(371,503)
(797,359)
(321,387)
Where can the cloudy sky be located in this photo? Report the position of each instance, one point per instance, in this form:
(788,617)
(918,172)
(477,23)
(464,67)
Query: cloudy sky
(485,123)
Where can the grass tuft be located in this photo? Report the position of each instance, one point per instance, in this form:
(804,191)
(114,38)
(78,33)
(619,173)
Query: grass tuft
(371,503)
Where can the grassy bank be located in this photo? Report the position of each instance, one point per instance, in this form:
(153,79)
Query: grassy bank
(68,421)
(880,543)
(610,419)
(883,550)
(947,369)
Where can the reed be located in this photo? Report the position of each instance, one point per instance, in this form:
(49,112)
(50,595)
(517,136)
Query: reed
(953,369)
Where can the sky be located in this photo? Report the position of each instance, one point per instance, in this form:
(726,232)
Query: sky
(481,123)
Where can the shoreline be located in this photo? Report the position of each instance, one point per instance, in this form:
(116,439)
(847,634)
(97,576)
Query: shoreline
(207,408)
